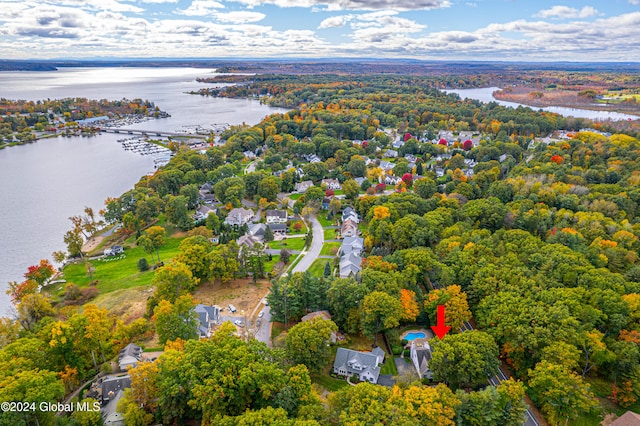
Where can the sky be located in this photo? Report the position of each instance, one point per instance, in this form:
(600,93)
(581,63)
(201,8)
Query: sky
(503,30)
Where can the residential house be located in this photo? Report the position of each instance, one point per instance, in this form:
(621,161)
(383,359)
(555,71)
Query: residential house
(129,357)
(114,250)
(312,158)
(110,387)
(350,265)
(247,241)
(352,245)
(397,144)
(249,155)
(392,180)
(420,356)
(325,315)
(350,213)
(386,166)
(349,228)
(207,318)
(365,365)
(333,184)
(325,203)
(303,186)
(278,229)
(257,230)
(410,158)
(276,216)
(359,180)
(391,153)
(239,216)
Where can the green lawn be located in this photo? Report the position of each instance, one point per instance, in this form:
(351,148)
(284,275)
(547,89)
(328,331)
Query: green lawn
(268,265)
(289,244)
(295,196)
(326,249)
(328,382)
(330,234)
(317,267)
(389,366)
(121,273)
(322,218)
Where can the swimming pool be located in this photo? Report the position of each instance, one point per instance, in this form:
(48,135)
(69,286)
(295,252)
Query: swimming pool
(415,335)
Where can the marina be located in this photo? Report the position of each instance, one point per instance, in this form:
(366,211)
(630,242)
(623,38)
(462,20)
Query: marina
(141,146)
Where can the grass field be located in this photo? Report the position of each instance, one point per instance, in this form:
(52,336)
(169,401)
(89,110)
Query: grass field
(330,249)
(289,244)
(120,272)
(317,267)
(389,366)
(331,234)
(322,218)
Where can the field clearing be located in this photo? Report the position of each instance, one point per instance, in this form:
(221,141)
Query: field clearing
(330,249)
(242,293)
(119,272)
(127,304)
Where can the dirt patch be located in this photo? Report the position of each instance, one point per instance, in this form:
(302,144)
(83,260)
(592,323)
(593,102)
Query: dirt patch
(127,304)
(92,244)
(242,293)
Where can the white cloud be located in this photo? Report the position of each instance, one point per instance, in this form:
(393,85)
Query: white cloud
(565,12)
(239,17)
(335,21)
(636,2)
(201,8)
(158,1)
(354,4)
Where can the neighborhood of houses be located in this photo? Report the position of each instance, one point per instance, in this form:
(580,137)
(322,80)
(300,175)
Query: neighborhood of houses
(348,363)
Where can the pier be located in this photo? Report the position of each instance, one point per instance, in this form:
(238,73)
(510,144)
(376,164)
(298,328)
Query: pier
(152,133)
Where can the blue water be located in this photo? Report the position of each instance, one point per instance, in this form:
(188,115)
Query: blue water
(416,335)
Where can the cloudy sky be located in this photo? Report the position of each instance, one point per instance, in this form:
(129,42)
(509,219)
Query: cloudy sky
(539,30)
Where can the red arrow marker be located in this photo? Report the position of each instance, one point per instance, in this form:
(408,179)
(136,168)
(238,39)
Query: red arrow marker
(440,329)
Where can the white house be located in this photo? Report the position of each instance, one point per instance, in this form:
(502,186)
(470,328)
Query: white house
(366,365)
(276,216)
(129,357)
(239,216)
(332,184)
(420,356)
(302,187)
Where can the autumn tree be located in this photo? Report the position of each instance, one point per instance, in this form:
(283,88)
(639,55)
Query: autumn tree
(172,281)
(410,309)
(465,360)
(380,311)
(503,405)
(561,394)
(152,240)
(456,306)
(177,320)
(308,343)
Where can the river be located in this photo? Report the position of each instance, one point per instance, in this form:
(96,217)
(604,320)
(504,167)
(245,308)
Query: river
(46,182)
(485,94)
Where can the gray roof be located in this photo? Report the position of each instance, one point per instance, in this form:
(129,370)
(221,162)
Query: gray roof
(206,314)
(277,226)
(348,359)
(257,230)
(110,387)
(131,350)
(277,213)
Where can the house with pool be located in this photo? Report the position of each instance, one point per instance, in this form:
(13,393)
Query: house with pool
(420,351)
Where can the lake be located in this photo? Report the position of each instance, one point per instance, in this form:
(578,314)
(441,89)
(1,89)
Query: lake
(46,182)
(485,94)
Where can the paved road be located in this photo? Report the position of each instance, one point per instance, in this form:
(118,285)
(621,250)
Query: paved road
(263,333)
(315,248)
